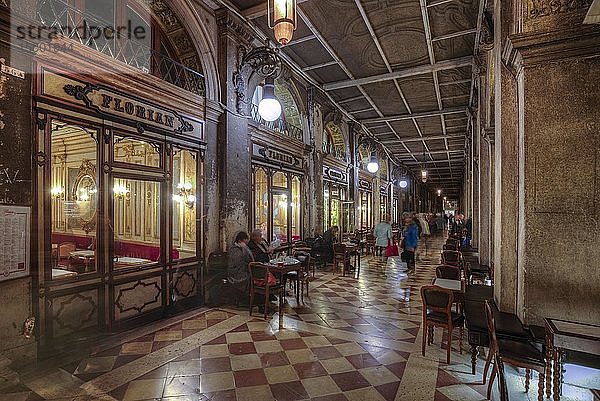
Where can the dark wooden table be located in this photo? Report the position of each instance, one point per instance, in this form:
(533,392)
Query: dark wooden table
(561,335)
(282,270)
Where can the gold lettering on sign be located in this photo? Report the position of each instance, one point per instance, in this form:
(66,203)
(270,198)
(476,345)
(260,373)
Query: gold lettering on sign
(118,105)
(274,155)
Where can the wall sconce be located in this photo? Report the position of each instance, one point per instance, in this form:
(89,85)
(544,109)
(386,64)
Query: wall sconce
(439,192)
(121,191)
(84,194)
(185,195)
(282,19)
(373,165)
(444,198)
(269,107)
(424,175)
(57,192)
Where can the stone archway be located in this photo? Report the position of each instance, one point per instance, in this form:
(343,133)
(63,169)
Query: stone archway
(190,38)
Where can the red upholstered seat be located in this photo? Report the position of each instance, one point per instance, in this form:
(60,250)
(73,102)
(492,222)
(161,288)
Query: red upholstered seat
(121,248)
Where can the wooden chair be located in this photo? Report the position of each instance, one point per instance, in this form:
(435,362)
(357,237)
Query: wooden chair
(447,272)
(437,312)
(260,285)
(452,258)
(370,244)
(64,254)
(519,354)
(450,247)
(340,256)
(303,272)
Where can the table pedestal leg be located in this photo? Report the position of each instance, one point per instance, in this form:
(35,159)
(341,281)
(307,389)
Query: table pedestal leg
(549,358)
(557,374)
(473,358)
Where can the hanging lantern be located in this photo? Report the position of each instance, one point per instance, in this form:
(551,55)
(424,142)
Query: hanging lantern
(424,175)
(282,19)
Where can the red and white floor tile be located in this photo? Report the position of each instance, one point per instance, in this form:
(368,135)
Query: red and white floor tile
(355,339)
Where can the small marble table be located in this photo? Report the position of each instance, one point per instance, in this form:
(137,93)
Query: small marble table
(562,334)
(86,255)
(454,285)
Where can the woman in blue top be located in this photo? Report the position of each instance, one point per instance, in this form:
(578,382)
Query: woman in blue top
(411,239)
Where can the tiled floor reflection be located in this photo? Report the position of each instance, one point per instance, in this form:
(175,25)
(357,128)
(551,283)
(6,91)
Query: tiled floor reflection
(354,339)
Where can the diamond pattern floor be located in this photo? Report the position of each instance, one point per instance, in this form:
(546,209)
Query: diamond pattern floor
(355,339)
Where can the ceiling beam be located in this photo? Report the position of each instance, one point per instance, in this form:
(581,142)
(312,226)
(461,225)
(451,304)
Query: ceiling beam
(459,82)
(399,117)
(404,73)
(429,138)
(316,66)
(454,34)
(434,3)
(301,40)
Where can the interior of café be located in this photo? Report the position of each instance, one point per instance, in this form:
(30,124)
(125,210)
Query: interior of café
(299,200)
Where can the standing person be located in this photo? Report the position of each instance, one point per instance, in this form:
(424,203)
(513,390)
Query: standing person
(383,235)
(326,246)
(260,248)
(411,239)
(238,259)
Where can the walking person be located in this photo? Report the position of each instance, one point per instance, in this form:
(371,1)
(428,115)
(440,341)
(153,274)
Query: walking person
(411,239)
(383,236)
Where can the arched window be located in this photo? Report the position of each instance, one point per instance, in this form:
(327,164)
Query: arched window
(129,31)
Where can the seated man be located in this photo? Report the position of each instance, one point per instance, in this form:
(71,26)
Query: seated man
(260,248)
(326,246)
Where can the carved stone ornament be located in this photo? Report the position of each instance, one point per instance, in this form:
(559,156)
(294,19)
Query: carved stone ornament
(543,8)
(486,38)
(263,60)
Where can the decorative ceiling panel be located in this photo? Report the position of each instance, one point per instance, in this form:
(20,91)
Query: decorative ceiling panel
(398,26)
(405,128)
(430,125)
(453,16)
(455,90)
(345,93)
(385,95)
(420,93)
(437,144)
(455,102)
(358,104)
(328,74)
(454,48)
(348,36)
(366,114)
(312,53)
(456,74)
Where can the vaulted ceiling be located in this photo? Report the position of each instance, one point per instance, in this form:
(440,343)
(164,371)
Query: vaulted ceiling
(401,68)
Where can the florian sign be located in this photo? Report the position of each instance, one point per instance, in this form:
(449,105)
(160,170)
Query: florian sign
(111,103)
(276,156)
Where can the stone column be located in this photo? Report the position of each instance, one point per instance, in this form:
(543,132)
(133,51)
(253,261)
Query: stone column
(506,168)
(555,62)
(233,154)
(212,201)
(16,187)
(485,200)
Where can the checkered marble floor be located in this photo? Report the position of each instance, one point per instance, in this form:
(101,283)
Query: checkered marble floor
(355,339)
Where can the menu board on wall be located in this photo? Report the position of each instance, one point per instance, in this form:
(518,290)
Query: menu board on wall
(14,241)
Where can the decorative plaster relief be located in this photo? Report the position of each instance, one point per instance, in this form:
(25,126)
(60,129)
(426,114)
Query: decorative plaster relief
(542,8)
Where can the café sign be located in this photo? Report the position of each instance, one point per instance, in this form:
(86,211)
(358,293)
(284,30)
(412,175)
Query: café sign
(276,156)
(119,105)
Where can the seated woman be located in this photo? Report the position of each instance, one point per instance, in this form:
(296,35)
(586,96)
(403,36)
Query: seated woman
(239,257)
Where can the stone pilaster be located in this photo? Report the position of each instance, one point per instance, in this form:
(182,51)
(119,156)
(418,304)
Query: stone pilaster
(559,146)
(211,179)
(233,139)
(506,167)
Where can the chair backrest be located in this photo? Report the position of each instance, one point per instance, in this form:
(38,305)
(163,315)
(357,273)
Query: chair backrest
(258,271)
(339,248)
(491,324)
(217,260)
(304,257)
(447,272)
(370,239)
(300,244)
(65,249)
(451,258)
(450,247)
(437,299)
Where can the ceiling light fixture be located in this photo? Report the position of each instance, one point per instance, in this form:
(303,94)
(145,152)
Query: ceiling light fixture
(282,19)
(439,192)
(269,107)
(373,165)
(403,183)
